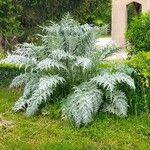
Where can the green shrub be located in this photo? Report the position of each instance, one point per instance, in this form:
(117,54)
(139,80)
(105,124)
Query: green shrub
(141,64)
(138,33)
(10,25)
(8,72)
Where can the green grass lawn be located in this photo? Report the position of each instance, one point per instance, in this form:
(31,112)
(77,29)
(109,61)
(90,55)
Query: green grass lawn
(44,133)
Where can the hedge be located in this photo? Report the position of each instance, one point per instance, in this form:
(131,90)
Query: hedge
(7,73)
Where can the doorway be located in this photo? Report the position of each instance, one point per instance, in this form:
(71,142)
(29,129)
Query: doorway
(133,9)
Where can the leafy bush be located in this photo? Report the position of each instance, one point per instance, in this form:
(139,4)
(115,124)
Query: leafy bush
(10,25)
(141,64)
(8,72)
(19,18)
(138,33)
(66,65)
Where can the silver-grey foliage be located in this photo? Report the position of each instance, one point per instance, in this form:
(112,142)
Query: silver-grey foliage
(83,103)
(68,57)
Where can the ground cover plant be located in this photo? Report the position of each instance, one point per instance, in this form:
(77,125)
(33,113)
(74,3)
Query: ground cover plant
(66,66)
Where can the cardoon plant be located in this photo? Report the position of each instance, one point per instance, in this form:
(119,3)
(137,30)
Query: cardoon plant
(67,64)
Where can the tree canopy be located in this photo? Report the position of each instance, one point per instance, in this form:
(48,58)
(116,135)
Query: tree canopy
(17,16)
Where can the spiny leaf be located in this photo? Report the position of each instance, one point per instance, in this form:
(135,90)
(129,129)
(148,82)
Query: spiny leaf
(83,104)
(118,104)
(20,80)
(48,64)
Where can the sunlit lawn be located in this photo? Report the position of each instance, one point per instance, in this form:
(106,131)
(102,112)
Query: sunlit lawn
(44,133)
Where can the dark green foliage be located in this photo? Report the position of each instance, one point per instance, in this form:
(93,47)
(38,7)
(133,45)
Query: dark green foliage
(7,73)
(93,11)
(9,22)
(26,15)
(37,12)
(130,12)
(138,34)
(133,11)
(9,14)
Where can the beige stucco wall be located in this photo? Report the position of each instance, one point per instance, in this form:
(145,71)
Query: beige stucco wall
(119,18)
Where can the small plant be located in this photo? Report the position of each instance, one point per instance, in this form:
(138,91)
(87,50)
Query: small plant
(66,65)
(138,34)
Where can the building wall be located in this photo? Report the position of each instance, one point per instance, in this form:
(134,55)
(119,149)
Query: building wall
(119,18)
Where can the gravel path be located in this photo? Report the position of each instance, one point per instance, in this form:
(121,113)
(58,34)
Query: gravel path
(121,55)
